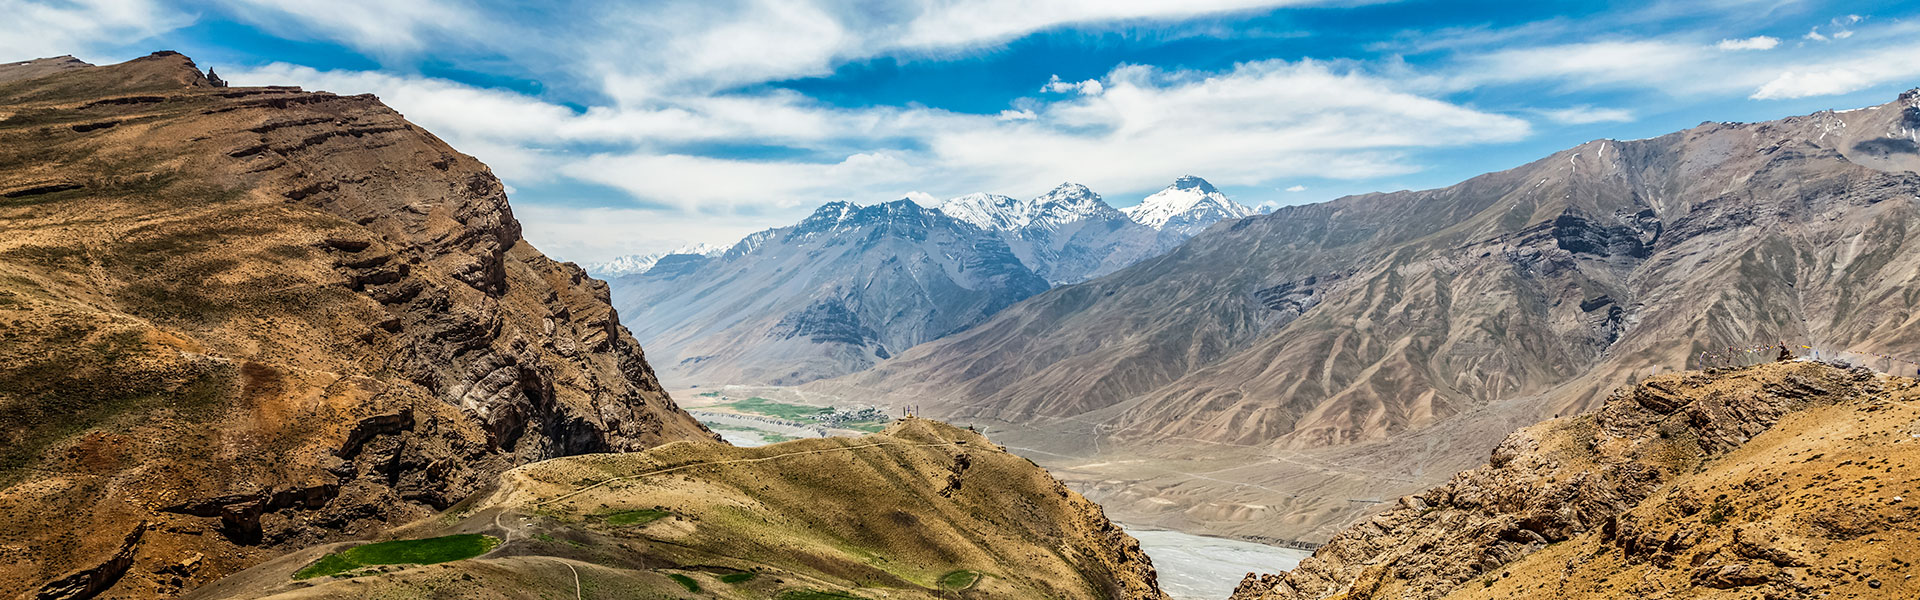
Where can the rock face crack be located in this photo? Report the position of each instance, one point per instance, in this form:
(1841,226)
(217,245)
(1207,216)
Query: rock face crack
(89,582)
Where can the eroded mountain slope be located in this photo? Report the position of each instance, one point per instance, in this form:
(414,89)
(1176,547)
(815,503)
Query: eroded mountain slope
(1789,480)
(921,510)
(239,320)
(1508,298)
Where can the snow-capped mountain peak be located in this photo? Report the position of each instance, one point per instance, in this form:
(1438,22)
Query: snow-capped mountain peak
(1070,202)
(988,211)
(1188,206)
(640,263)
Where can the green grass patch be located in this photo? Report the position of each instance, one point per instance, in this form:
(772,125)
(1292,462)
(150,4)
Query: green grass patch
(814,595)
(959,580)
(634,517)
(741,577)
(772,408)
(867,426)
(401,552)
(685,582)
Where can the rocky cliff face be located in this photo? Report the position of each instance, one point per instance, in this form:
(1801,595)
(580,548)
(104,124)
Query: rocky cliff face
(845,288)
(1409,323)
(921,510)
(239,320)
(1779,481)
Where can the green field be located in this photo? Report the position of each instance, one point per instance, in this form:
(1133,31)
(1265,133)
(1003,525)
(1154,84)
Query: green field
(959,580)
(685,582)
(772,408)
(401,552)
(634,517)
(740,577)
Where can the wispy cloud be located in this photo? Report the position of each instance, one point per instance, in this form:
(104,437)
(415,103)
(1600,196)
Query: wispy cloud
(377,26)
(31,29)
(1584,114)
(1758,42)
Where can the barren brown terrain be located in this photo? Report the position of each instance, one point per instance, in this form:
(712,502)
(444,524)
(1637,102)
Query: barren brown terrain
(1787,480)
(237,321)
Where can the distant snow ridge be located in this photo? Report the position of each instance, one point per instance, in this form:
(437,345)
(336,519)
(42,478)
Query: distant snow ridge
(989,211)
(639,263)
(1187,207)
(1067,203)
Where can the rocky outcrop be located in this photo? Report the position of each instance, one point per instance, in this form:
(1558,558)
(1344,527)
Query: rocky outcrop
(1625,484)
(264,317)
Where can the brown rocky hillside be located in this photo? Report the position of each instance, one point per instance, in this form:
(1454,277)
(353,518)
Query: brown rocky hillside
(235,321)
(922,510)
(1788,480)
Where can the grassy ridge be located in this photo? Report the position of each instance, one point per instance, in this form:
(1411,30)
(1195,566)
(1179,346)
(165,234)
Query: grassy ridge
(400,552)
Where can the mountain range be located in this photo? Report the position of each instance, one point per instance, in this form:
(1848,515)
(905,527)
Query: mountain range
(1317,341)
(852,285)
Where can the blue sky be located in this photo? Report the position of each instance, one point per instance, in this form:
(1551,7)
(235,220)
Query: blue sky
(634,127)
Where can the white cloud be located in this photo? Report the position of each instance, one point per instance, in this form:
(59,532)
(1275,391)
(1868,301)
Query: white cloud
(1090,87)
(1674,65)
(379,26)
(1297,188)
(1584,114)
(1839,28)
(1583,64)
(1824,83)
(948,24)
(1758,42)
(1894,59)
(33,29)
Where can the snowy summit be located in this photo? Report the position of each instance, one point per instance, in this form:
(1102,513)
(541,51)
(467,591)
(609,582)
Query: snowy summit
(1188,206)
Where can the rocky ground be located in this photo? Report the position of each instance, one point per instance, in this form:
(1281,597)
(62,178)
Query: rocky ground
(235,321)
(1787,480)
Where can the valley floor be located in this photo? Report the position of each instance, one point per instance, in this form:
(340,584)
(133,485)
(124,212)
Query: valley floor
(1196,567)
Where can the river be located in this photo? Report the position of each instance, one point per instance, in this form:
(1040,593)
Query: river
(1196,567)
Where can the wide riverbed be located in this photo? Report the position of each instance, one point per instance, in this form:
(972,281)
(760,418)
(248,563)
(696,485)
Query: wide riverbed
(1196,567)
